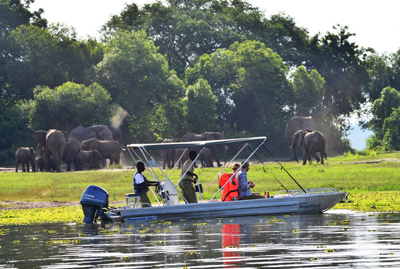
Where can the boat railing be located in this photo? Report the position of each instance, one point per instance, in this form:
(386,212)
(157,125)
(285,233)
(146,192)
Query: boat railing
(322,191)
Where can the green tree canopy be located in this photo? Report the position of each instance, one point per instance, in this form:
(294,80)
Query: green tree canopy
(68,106)
(250,84)
(391,131)
(200,107)
(139,80)
(185,30)
(308,90)
(341,63)
(382,108)
(47,57)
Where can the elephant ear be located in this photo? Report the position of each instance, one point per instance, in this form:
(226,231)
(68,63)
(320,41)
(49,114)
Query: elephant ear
(40,137)
(213,136)
(65,134)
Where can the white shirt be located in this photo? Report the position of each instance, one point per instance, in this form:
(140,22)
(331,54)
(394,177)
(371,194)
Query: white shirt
(139,179)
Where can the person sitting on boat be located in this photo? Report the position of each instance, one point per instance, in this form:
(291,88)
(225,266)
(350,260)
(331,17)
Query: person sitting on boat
(244,185)
(141,184)
(190,177)
(230,190)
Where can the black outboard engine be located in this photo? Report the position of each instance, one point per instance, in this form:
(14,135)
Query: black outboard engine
(93,200)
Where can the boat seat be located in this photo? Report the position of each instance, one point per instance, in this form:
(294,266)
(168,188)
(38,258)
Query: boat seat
(132,200)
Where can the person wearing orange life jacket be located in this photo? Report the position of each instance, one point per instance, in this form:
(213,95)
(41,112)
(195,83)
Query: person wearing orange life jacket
(230,190)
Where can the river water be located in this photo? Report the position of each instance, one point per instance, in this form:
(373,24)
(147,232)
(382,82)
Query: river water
(339,239)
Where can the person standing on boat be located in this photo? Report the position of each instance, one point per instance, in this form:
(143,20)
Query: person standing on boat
(244,185)
(190,177)
(141,184)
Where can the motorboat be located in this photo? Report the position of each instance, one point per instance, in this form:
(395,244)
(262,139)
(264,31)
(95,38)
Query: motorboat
(172,205)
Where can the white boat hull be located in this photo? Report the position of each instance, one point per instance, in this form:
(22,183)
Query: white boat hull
(294,204)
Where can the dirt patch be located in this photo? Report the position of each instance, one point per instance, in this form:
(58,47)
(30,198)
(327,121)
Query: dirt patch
(393,160)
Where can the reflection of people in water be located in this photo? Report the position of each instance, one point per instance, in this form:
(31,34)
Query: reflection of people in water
(230,244)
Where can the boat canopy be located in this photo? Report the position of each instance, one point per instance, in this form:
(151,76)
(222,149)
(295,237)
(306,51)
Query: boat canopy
(199,144)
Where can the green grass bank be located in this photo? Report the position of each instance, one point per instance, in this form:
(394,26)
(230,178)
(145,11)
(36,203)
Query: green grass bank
(373,181)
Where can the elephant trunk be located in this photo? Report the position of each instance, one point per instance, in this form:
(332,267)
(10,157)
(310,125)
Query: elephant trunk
(295,153)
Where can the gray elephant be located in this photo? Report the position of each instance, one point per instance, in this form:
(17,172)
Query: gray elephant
(53,142)
(108,149)
(101,132)
(40,163)
(71,150)
(312,142)
(168,155)
(24,156)
(206,158)
(296,124)
(116,133)
(90,157)
(207,136)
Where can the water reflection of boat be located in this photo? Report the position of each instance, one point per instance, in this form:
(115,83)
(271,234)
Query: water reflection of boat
(95,199)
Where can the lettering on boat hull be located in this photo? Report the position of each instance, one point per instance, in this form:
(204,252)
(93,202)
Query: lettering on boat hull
(141,218)
(309,206)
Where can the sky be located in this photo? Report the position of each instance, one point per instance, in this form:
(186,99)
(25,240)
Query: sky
(375,23)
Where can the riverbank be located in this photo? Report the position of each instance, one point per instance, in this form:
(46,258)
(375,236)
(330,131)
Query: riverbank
(372,182)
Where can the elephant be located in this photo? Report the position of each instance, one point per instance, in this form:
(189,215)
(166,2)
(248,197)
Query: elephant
(207,136)
(116,133)
(168,155)
(108,149)
(101,132)
(40,163)
(296,124)
(178,154)
(90,157)
(71,150)
(206,158)
(23,156)
(53,142)
(312,142)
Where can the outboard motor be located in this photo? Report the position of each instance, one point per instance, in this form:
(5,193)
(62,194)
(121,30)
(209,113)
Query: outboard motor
(93,200)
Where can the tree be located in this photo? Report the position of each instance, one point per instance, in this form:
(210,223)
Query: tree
(200,107)
(251,87)
(341,63)
(47,57)
(380,75)
(139,80)
(308,90)
(185,30)
(15,13)
(68,106)
(14,133)
(382,108)
(391,130)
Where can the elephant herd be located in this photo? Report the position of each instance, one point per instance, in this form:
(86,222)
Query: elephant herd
(85,147)
(89,147)
(207,156)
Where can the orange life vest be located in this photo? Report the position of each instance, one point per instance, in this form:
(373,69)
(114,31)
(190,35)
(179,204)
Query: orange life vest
(230,190)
